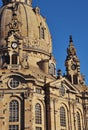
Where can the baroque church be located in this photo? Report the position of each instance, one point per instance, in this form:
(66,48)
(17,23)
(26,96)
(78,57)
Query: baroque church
(33,96)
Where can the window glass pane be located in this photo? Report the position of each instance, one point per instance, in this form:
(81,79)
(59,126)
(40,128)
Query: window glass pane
(13,111)
(38,90)
(52,69)
(13,127)
(62,117)
(14,59)
(38,116)
(41,31)
(63,129)
(38,128)
(14,83)
(75,79)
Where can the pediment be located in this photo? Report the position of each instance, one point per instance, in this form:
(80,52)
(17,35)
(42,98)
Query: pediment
(67,84)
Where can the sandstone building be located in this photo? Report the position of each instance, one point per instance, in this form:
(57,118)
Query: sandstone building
(32,97)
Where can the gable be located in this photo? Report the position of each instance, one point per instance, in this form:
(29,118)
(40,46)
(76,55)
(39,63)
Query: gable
(68,86)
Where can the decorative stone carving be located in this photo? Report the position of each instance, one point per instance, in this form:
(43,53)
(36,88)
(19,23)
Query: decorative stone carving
(36,44)
(26,94)
(15,24)
(1,95)
(25,61)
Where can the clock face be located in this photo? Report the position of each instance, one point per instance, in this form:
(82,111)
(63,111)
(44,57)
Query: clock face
(14,45)
(73,67)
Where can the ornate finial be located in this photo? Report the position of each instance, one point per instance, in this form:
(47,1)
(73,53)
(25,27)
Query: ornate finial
(59,73)
(37,10)
(71,50)
(70,38)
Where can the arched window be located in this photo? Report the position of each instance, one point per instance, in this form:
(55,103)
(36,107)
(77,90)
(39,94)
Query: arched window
(14,111)
(52,69)
(75,80)
(62,117)
(13,127)
(42,35)
(78,121)
(41,31)
(14,59)
(38,114)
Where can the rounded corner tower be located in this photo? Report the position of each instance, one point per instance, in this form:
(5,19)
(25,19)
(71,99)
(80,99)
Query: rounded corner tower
(25,40)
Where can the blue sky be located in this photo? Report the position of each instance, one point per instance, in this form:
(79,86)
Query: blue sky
(64,18)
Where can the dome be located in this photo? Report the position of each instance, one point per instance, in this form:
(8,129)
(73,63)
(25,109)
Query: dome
(28,23)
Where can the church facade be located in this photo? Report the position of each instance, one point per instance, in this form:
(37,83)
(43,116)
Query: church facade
(32,96)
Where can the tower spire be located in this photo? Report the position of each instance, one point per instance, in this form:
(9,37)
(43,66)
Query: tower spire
(72,64)
(70,37)
(71,51)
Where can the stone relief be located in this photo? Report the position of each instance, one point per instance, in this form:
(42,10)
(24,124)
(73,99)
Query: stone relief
(14,25)
(1,95)
(36,44)
(24,61)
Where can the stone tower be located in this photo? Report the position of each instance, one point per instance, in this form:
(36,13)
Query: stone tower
(72,64)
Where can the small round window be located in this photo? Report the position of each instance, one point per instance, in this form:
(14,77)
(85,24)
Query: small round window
(14,83)
(62,90)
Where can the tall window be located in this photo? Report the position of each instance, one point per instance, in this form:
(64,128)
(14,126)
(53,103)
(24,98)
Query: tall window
(13,127)
(41,31)
(75,81)
(62,117)
(38,114)
(14,59)
(78,121)
(38,128)
(52,69)
(14,112)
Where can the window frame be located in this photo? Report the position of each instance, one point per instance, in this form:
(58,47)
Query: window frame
(14,59)
(16,121)
(62,117)
(14,111)
(41,31)
(78,121)
(38,114)
(52,69)
(13,127)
